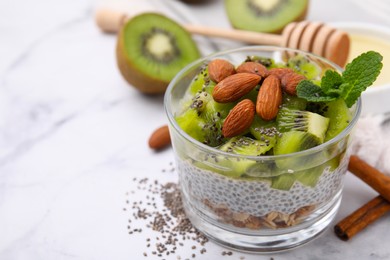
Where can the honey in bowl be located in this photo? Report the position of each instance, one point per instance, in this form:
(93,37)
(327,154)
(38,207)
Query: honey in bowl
(361,42)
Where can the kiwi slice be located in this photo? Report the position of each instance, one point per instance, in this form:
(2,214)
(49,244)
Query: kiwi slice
(202,118)
(307,177)
(202,82)
(264,15)
(310,177)
(151,50)
(339,116)
(265,131)
(294,141)
(283,182)
(312,123)
(293,102)
(338,113)
(192,124)
(303,66)
(245,146)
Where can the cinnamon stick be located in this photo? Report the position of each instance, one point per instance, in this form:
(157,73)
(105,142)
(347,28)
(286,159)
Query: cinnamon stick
(373,177)
(361,218)
(372,210)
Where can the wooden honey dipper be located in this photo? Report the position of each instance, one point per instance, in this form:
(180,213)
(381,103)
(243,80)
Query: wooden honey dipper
(314,37)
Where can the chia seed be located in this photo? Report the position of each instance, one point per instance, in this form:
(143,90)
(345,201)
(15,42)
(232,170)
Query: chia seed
(168,219)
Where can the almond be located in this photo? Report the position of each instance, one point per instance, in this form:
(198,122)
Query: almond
(220,69)
(234,87)
(280,72)
(160,138)
(253,67)
(290,82)
(239,118)
(269,98)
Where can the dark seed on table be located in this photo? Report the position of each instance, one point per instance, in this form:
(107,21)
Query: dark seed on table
(170,221)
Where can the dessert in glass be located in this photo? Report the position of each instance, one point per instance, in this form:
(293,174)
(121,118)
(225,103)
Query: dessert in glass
(260,168)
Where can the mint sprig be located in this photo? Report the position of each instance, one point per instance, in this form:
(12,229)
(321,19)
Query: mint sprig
(357,76)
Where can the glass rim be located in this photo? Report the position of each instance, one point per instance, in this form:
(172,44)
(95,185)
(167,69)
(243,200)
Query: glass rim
(205,147)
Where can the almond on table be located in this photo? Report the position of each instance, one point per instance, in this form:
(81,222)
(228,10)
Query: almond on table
(160,138)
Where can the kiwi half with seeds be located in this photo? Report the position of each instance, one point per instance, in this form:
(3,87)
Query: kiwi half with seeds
(265,15)
(151,50)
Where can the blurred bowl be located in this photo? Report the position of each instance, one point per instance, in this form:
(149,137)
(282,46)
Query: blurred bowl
(365,37)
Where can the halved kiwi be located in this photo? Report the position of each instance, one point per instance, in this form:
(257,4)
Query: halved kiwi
(264,15)
(151,50)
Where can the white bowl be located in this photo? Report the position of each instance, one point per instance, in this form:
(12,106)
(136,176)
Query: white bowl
(375,99)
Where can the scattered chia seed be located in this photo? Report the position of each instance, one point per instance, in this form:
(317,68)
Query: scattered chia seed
(167,219)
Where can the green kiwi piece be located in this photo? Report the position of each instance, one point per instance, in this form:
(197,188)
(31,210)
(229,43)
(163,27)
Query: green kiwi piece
(252,95)
(310,177)
(305,121)
(202,82)
(264,15)
(192,124)
(340,117)
(245,146)
(294,141)
(294,102)
(338,113)
(310,172)
(203,117)
(263,169)
(214,114)
(283,182)
(307,177)
(303,66)
(222,166)
(151,50)
(267,62)
(265,131)
(291,142)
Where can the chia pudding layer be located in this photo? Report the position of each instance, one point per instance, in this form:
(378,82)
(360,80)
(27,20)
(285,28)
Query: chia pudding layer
(244,199)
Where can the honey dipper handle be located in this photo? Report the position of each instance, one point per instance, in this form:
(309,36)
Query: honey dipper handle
(237,35)
(111,21)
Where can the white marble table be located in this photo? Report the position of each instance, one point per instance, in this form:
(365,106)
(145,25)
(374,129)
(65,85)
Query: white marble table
(73,135)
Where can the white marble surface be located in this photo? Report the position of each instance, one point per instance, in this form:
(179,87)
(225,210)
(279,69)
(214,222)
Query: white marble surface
(73,135)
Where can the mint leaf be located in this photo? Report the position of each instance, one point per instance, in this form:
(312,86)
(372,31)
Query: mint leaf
(313,93)
(331,83)
(360,74)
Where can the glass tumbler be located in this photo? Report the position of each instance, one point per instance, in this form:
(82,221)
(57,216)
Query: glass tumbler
(276,206)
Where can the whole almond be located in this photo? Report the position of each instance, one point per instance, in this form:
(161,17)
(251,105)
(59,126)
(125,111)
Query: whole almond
(239,118)
(234,87)
(160,138)
(269,98)
(280,72)
(253,67)
(290,82)
(220,69)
